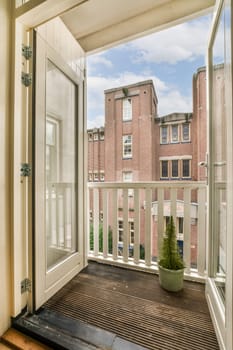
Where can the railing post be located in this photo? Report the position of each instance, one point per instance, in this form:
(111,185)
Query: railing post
(201,231)
(187,228)
(125,226)
(148,227)
(105,223)
(114,224)
(160,226)
(96,220)
(136,226)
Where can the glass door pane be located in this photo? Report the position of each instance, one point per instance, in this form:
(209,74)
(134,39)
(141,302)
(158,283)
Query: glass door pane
(60,162)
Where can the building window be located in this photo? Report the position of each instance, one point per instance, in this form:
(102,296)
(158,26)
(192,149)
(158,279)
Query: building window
(186,168)
(120,230)
(186,132)
(90,177)
(131,232)
(91,215)
(90,136)
(96,176)
(127,146)
(102,176)
(164,169)
(127,109)
(175,168)
(128,177)
(96,137)
(101,135)
(175,133)
(163,134)
(101,216)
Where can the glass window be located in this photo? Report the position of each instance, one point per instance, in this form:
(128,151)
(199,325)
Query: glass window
(131,231)
(164,168)
(102,176)
(163,134)
(90,177)
(186,168)
(102,135)
(175,169)
(120,230)
(96,137)
(128,177)
(96,177)
(175,133)
(127,146)
(185,132)
(90,136)
(127,109)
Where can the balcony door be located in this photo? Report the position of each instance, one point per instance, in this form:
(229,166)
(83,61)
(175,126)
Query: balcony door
(58,248)
(219,283)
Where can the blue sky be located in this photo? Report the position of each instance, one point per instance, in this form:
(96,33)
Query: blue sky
(169,58)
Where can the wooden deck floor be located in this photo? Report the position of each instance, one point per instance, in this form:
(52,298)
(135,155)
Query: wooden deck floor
(133,306)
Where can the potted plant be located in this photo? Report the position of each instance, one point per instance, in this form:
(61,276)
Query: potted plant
(171,264)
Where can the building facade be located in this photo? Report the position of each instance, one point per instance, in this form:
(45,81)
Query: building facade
(137,145)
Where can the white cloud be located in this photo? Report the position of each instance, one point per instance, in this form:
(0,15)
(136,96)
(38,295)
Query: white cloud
(170,99)
(186,41)
(96,122)
(95,62)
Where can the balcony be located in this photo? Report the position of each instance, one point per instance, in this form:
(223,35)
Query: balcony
(114,307)
(131,219)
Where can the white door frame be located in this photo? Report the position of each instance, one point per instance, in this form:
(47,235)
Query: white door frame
(221,314)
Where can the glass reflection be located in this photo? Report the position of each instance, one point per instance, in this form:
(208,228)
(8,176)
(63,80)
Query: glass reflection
(60,166)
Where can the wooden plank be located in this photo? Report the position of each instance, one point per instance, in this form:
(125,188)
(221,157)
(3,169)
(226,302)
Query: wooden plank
(22,341)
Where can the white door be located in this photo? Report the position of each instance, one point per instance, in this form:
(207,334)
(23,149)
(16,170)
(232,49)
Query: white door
(58,170)
(219,283)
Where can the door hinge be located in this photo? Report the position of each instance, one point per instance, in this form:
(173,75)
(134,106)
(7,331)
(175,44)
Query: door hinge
(26,51)
(26,79)
(25,169)
(26,285)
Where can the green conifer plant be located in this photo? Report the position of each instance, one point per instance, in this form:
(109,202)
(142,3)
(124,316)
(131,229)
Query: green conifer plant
(170,257)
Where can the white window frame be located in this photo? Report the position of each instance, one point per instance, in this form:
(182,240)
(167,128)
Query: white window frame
(96,176)
(127,109)
(161,169)
(128,179)
(127,142)
(102,176)
(90,136)
(90,177)
(189,126)
(161,134)
(178,166)
(174,140)
(96,136)
(182,169)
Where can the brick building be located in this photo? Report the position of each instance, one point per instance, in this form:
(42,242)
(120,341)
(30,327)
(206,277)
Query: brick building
(137,145)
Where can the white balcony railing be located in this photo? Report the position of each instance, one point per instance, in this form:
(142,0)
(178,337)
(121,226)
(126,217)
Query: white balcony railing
(128,220)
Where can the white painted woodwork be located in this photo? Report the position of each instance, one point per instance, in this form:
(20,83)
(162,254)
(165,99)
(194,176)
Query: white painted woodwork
(96,220)
(105,223)
(100,24)
(146,189)
(136,227)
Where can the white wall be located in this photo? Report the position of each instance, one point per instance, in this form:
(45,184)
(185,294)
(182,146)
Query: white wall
(5,193)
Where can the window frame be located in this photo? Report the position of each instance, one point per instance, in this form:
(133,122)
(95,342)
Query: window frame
(127,108)
(161,169)
(189,138)
(164,127)
(182,169)
(178,172)
(127,155)
(172,128)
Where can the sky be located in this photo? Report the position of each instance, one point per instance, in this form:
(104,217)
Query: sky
(169,58)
